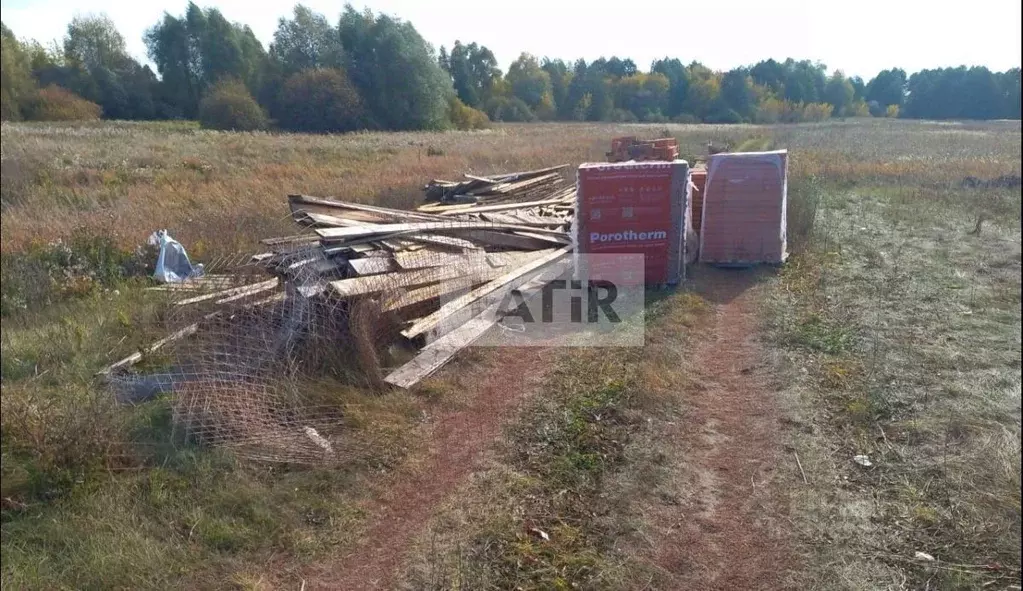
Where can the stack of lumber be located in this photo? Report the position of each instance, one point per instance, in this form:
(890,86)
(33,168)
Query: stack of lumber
(433,270)
(502,188)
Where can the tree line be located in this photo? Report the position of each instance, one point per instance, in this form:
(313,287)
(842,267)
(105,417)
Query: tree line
(373,71)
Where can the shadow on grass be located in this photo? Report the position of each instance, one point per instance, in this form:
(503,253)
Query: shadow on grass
(714,284)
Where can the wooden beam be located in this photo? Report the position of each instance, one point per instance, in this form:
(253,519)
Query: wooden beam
(229,292)
(504,281)
(515,240)
(445,226)
(422,259)
(417,295)
(399,214)
(372,265)
(244,293)
(460,209)
(439,352)
(402,279)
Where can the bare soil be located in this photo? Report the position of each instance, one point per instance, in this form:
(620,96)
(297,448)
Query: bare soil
(458,440)
(728,530)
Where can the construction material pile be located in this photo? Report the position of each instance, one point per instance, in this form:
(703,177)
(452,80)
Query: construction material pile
(502,188)
(370,294)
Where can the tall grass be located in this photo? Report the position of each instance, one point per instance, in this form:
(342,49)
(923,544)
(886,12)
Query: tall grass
(900,318)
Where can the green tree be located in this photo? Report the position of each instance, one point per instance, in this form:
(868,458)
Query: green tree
(96,65)
(591,92)
(473,69)
(305,41)
(678,83)
(196,50)
(859,88)
(561,79)
(771,74)
(529,82)
(16,82)
(704,91)
(618,68)
(444,60)
(395,71)
(1009,83)
(887,88)
(321,100)
(839,92)
(643,95)
(804,81)
(93,42)
(737,94)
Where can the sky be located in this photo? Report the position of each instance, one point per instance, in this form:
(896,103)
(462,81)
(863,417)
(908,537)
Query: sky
(860,38)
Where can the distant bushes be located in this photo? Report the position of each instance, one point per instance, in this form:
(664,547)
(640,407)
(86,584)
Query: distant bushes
(724,116)
(775,110)
(54,103)
(320,100)
(511,109)
(465,117)
(229,106)
(817,112)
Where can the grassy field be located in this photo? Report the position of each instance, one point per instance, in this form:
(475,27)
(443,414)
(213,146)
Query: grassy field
(894,331)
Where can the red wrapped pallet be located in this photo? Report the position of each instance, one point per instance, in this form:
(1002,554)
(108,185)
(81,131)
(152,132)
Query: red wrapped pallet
(635,208)
(744,209)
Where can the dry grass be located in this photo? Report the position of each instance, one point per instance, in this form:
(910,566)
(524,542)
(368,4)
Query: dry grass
(559,505)
(907,328)
(901,335)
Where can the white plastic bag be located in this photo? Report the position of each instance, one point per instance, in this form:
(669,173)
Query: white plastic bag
(172,266)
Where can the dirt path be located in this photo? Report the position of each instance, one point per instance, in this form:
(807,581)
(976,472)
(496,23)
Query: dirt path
(457,441)
(726,532)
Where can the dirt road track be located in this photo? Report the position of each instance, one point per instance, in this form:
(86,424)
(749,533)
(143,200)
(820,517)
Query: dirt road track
(729,532)
(458,440)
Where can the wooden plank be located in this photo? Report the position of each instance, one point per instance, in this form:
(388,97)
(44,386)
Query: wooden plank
(449,309)
(244,293)
(460,209)
(377,283)
(445,226)
(445,241)
(417,295)
(225,292)
(362,248)
(439,352)
(479,273)
(325,220)
(332,221)
(284,240)
(372,265)
(138,355)
(423,259)
(436,354)
(562,238)
(398,214)
(513,240)
(519,175)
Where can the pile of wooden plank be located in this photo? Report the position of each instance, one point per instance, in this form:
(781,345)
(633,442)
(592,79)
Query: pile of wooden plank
(502,188)
(432,270)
